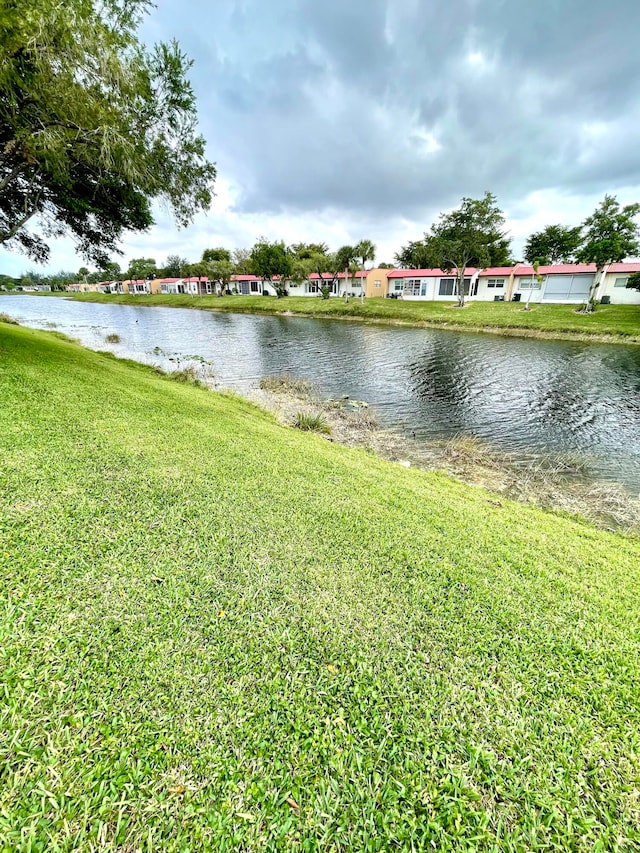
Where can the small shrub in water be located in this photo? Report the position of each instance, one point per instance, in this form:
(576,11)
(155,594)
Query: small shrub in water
(188,376)
(112,338)
(312,423)
(6,318)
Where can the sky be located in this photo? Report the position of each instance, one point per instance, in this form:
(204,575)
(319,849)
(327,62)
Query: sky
(337,120)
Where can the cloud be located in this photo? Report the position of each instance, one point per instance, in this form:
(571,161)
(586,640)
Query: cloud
(339,120)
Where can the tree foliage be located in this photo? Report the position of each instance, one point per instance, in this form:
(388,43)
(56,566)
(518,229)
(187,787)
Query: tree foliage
(634,281)
(272,263)
(554,244)
(219,254)
(93,126)
(241,259)
(220,272)
(173,266)
(471,235)
(609,235)
(142,268)
(304,251)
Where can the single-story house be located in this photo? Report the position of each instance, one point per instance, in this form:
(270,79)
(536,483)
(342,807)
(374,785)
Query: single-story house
(429,284)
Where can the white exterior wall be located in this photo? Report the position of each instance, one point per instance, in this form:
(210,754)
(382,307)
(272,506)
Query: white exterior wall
(486,293)
(536,295)
(297,289)
(618,295)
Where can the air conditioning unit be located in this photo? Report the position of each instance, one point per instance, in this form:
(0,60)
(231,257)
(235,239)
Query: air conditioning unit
(499,298)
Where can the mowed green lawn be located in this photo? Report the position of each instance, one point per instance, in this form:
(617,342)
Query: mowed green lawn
(221,634)
(610,320)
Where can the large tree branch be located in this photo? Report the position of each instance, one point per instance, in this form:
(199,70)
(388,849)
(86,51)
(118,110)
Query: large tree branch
(5,236)
(12,174)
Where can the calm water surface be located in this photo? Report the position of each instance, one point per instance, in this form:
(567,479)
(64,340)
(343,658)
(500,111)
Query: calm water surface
(522,396)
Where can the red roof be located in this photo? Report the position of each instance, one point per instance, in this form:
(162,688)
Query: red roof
(561,269)
(497,271)
(432,273)
(168,280)
(633,266)
(203,279)
(555,269)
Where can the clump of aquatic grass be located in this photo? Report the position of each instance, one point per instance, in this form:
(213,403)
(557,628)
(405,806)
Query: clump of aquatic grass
(468,450)
(287,384)
(360,420)
(312,422)
(7,318)
(112,338)
(187,376)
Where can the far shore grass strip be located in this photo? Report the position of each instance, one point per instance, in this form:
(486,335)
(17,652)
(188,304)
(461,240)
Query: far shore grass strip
(219,633)
(614,323)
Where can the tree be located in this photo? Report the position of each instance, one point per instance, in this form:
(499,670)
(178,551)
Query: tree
(241,259)
(304,251)
(347,259)
(538,278)
(634,281)
(220,272)
(109,271)
(142,268)
(413,256)
(272,263)
(386,266)
(7,282)
(554,244)
(220,254)
(609,235)
(173,266)
(365,251)
(94,126)
(473,234)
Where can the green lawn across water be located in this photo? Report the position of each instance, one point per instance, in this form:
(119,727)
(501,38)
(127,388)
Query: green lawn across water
(621,322)
(217,633)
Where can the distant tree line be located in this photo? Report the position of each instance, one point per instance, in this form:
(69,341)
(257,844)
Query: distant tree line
(472,235)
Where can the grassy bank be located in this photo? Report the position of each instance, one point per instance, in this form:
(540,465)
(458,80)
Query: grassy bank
(610,322)
(218,633)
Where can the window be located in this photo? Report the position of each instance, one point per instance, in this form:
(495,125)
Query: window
(208,287)
(621,282)
(412,287)
(529,284)
(140,288)
(377,283)
(398,286)
(164,288)
(446,287)
(495,282)
(255,287)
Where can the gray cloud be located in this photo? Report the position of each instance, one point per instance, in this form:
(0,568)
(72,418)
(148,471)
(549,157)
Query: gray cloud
(381,113)
(399,107)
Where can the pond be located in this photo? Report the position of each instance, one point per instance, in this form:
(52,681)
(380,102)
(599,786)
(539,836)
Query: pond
(520,395)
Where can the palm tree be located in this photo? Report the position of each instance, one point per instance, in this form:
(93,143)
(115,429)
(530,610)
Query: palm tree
(364,251)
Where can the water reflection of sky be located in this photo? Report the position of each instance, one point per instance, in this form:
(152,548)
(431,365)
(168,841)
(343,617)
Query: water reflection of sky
(521,395)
